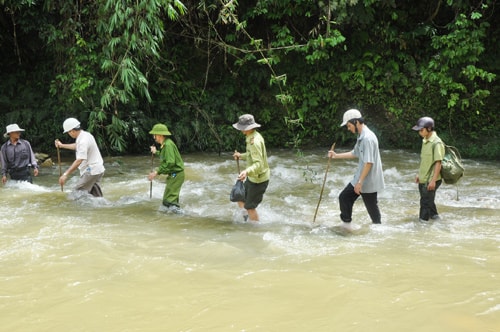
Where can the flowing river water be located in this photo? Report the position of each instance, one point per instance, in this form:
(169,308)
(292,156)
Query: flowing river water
(119,263)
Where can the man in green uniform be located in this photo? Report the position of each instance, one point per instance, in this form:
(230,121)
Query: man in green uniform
(429,173)
(257,172)
(171,164)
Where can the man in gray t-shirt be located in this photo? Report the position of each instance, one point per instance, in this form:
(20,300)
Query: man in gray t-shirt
(369,178)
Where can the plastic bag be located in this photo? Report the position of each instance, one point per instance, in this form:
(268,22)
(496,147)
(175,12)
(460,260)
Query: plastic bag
(238,192)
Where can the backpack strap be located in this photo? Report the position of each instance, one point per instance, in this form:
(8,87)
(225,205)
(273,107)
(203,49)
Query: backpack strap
(434,144)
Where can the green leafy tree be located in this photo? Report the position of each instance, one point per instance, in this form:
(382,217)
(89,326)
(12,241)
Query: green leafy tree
(120,66)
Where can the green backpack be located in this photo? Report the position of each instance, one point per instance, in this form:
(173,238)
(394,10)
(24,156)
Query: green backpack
(452,168)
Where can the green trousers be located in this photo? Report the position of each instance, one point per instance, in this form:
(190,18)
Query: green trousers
(173,189)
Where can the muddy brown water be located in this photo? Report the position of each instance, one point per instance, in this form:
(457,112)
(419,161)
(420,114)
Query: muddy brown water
(121,264)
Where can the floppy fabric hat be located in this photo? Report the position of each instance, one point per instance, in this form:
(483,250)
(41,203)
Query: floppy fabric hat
(12,128)
(160,129)
(246,122)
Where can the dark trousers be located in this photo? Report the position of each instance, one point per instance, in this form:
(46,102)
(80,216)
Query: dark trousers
(21,174)
(427,206)
(348,197)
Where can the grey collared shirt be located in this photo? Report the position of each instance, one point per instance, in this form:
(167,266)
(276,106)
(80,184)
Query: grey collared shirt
(17,155)
(366,149)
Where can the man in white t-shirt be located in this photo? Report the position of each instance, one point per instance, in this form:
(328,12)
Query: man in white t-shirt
(88,158)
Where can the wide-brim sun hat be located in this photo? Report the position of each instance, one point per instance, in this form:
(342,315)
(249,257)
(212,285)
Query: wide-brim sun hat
(12,128)
(160,129)
(350,115)
(246,122)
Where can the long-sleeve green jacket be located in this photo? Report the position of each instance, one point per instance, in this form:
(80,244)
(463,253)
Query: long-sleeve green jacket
(256,158)
(170,158)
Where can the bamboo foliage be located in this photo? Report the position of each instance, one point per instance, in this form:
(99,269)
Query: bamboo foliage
(122,65)
(135,32)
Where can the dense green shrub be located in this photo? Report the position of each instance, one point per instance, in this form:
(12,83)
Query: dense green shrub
(122,66)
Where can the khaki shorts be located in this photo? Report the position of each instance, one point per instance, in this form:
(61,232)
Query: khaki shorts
(90,183)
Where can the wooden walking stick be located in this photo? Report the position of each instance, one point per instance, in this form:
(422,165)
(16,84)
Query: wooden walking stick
(323,187)
(238,164)
(59,162)
(151,182)
(238,191)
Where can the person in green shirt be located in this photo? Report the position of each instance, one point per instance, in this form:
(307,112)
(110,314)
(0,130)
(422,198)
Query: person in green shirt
(171,164)
(429,173)
(257,172)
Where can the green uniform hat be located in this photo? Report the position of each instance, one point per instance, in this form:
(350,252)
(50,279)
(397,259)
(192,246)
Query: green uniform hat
(160,129)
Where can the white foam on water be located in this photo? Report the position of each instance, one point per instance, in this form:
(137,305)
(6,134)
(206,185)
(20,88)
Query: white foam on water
(25,186)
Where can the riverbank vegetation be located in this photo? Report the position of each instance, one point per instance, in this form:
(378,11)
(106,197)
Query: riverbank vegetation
(120,66)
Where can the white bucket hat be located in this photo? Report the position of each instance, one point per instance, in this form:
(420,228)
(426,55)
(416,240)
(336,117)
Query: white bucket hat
(246,122)
(12,128)
(349,115)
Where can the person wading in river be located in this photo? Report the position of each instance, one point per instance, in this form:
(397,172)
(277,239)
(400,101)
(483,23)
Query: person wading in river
(88,158)
(369,178)
(429,173)
(17,156)
(257,172)
(171,164)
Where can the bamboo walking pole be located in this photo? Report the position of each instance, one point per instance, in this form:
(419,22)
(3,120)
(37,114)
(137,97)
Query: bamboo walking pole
(238,164)
(323,187)
(151,182)
(59,162)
